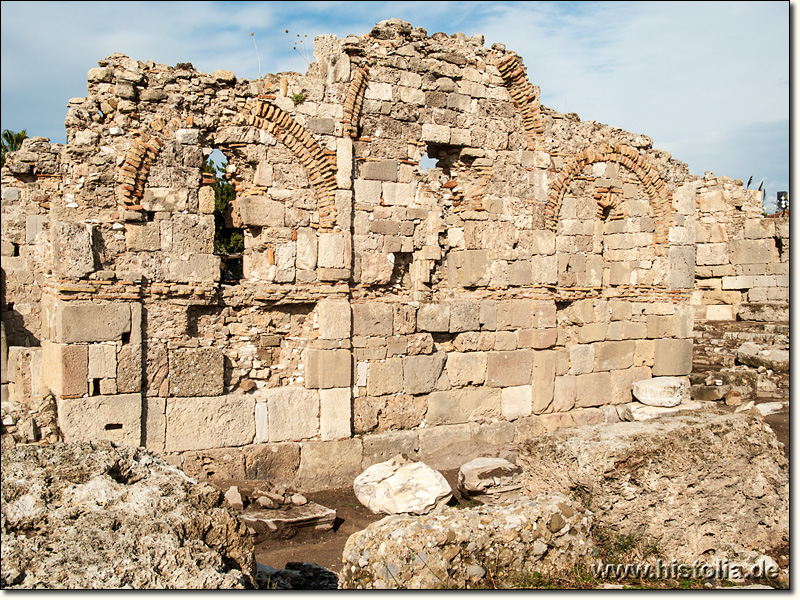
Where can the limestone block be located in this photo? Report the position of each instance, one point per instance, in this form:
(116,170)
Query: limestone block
(272,462)
(672,357)
(446,446)
(367,192)
(516,401)
(376,267)
(545,269)
(326,369)
(3,354)
(468,268)
(333,251)
(260,211)
(385,377)
(438,134)
(661,391)
(34,225)
(335,413)
(609,356)
(344,162)
(334,319)
(294,413)
(86,322)
(544,375)
(681,267)
(461,406)
(209,422)
(593,389)
(158,199)
(72,250)
(372,319)
(196,372)
(555,421)
(93,418)
(129,369)
(421,372)
(507,369)
(488,315)
(565,392)
(382,446)
(205,200)
(405,319)
(329,464)
(514,314)
(306,249)
(543,314)
(65,368)
(382,170)
(720,312)
(143,237)
(464,316)
(102,361)
(645,352)
(262,422)
(712,254)
(506,340)
(466,368)
(155,411)
(660,326)
(195,268)
(401,486)
(753,251)
(434,317)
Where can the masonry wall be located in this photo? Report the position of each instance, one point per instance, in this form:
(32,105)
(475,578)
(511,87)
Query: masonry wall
(519,285)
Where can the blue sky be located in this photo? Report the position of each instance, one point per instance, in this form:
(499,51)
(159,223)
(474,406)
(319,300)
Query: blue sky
(708,81)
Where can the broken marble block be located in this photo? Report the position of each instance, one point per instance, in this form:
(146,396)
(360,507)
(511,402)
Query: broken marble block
(400,485)
(660,391)
(489,480)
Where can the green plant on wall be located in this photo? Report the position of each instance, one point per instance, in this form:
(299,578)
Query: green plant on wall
(227,240)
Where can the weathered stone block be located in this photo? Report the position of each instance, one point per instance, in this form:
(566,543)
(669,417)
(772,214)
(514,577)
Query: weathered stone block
(335,412)
(592,332)
(333,251)
(72,250)
(514,314)
(434,317)
(753,251)
(331,464)
(467,368)
(114,418)
(196,372)
(464,316)
(385,377)
(91,322)
(209,422)
(421,372)
(326,369)
(294,413)
(446,446)
(65,368)
(614,355)
(34,225)
(143,237)
(272,462)
(438,134)
(564,393)
(262,422)
(544,375)
(469,268)
(367,192)
(372,319)
(383,170)
(405,319)
(712,254)
(681,267)
(593,389)
(507,369)
(383,446)
(129,369)
(260,211)
(672,357)
(516,401)
(375,268)
(622,383)
(461,406)
(581,359)
(334,319)
(195,268)
(158,199)
(155,423)
(102,361)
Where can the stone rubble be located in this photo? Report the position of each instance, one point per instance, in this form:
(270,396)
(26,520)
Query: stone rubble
(490,480)
(465,548)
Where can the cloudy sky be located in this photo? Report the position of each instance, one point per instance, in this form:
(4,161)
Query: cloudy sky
(708,81)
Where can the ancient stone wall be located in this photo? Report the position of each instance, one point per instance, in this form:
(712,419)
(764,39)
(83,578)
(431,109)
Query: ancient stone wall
(519,285)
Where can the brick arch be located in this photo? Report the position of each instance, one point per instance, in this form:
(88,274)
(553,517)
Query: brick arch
(660,199)
(318,164)
(132,174)
(524,97)
(354,100)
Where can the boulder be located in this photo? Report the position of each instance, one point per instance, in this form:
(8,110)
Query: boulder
(769,357)
(462,548)
(106,515)
(489,480)
(660,391)
(401,486)
(701,483)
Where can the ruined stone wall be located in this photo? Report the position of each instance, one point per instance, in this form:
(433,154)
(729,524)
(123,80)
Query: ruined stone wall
(519,285)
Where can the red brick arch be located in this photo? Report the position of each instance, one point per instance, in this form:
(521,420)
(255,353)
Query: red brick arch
(660,198)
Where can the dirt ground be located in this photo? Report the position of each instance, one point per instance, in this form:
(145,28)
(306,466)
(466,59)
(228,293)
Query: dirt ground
(326,548)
